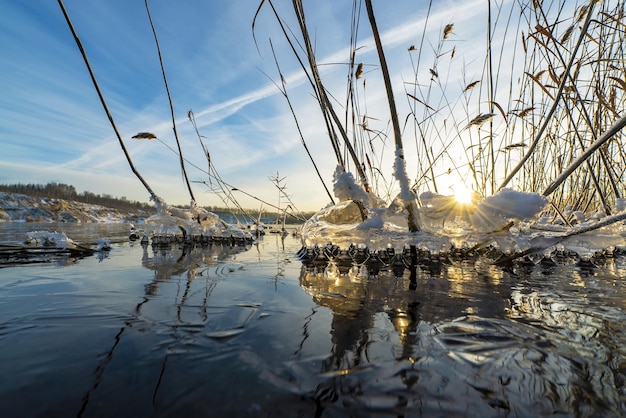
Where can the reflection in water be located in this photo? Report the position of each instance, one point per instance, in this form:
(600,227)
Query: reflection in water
(168,262)
(281,260)
(517,345)
(184,259)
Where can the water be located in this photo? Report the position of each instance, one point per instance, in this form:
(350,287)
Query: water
(250,331)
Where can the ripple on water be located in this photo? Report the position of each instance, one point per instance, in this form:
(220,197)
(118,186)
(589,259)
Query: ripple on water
(469,366)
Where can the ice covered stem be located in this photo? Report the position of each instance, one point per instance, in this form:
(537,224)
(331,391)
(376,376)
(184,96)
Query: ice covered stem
(161,206)
(345,188)
(408,197)
(406,194)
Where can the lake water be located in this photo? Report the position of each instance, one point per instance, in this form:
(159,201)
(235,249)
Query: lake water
(250,331)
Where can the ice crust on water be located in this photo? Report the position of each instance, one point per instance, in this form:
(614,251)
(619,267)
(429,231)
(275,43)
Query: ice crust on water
(52,239)
(61,241)
(508,221)
(170,220)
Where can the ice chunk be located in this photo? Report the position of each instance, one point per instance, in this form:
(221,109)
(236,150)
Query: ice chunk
(506,205)
(53,239)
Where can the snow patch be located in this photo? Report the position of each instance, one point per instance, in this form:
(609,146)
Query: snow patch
(346,188)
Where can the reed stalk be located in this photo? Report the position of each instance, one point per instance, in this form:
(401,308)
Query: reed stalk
(612,131)
(326,105)
(169,97)
(565,91)
(153,196)
(283,89)
(333,123)
(400,164)
(490,87)
(555,103)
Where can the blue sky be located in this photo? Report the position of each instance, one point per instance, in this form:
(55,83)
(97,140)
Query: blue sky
(53,127)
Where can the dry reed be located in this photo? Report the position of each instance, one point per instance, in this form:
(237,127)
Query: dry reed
(547,120)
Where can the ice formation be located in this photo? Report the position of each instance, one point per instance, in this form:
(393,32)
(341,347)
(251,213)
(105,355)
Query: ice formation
(103,244)
(50,239)
(507,223)
(171,224)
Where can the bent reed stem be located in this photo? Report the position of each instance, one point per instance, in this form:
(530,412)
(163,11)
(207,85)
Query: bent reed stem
(169,97)
(104,105)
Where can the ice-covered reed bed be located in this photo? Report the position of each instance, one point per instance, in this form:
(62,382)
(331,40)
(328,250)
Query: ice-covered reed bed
(171,225)
(505,226)
(533,131)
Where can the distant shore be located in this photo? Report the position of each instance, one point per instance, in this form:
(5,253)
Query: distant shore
(15,207)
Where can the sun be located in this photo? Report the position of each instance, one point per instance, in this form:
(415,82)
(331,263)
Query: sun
(463,195)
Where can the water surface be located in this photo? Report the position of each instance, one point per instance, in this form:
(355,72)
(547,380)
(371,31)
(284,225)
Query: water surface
(250,331)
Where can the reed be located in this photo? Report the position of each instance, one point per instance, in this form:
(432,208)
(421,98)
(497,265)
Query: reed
(551,122)
(399,165)
(334,126)
(283,90)
(153,196)
(169,97)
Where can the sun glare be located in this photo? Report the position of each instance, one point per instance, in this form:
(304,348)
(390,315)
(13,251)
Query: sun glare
(463,195)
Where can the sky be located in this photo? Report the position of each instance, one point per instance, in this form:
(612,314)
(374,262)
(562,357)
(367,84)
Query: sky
(53,127)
